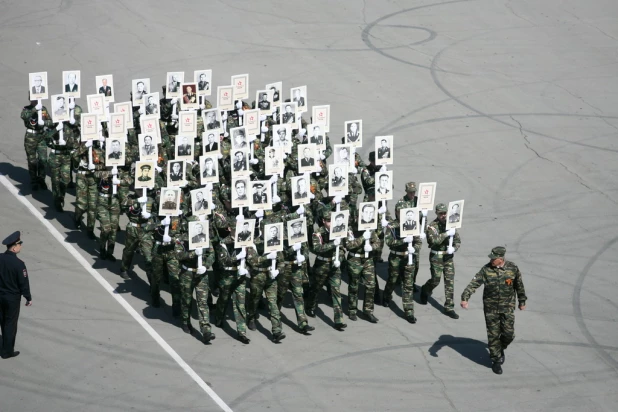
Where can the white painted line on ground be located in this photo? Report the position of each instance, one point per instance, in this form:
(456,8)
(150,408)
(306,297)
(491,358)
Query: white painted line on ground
(71,249)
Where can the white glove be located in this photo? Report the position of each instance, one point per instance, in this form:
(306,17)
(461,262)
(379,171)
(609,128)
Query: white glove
(353,170)
(202,107)
(423,236)
(297,247)
(259,213)
(241,255)
(411,249)
(300,210)
(368,248)
(220,156)
(300,259)
(115,180)
(238,105)
(166,239)
(143,199)
(243,272)
(253,161)
(167,221)
(350,235)
(337,242)
(146,215)
(91,167)
(201,270)
(311,196)
(72,120)
(39,106)
(174,116)
(199,251)
(212,206)
(302,132)
(240,218)
(383,168)
(367,234)
(101,139)
(272,255)
(276,199)
(273,179)
(384,223)
(208,186)
(450,232)
(141,111)
(158,169)
(424,212)
(60,126)
(174,100)
(274,274)
(251,139)
(337,199)
(336,263)
(408,239)
(264,129)
(241,112)
(41,122)
(262,117)
(72,104)
(382,210)
(450,250)
(322,156)
(224,115)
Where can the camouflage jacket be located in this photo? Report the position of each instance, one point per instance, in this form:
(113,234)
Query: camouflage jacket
(437,237)
(501,285)
(30,117)
(322,245)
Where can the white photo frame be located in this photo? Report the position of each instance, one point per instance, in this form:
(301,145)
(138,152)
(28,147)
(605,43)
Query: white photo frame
(225,98)
(409,223)
(240,163)
(210,142)
(148,149)
(145,174)
(38,86)
(189,99)
(282,136)
(426,195)
(367,216)
(353,132)
(60,108)
(89,127)
(277,88)
(151,105)
(117,126)
(299,96)
(184,147)
(384,185)
(169,201)
(454,217)
(261,196)
(251,122)
(238,137)
(139,88)
(241,86)
(297,230)
(343,154)
(104,84)
(199,234)
(245,229)
(320,115)
(273,236)
(71,82)
(203,79)
(150,125)
(301,187)
(173,80)
(209,168)
(239,194)
(264,101)
(96,105)
(201,199)
(212,120)
(125,108)
(307,158)
(337,180)
(384,150)
(176,173)
(114,151)
(339,224)
(288,114)
(273,161)
(187,123)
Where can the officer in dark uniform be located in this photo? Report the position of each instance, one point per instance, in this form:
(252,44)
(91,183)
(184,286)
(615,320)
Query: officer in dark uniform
(13,285)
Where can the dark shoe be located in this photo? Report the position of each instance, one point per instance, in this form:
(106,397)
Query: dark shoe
(176,311)
(376,299)
(102,253)
(207,337)
(278,337)
(91,235)
(34,187)
(124,274)
(497,368)
(10,355)
(353,316)
(58,204)
(42,184)
(306,329)
(77,221)
(424,297)
(310,313)
(244,339)
(187,328)
(251,325)
(156,302)
(371,318)
(416,288)
(71,185)
(411,318)
(502,357)
(451,314)
(340,326)
(386,302)
(218,323)
(110,254)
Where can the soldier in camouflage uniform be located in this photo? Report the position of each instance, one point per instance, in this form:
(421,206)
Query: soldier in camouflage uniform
(441,259)
(326,268)
(86,195)
(407,201)
(502,280)
(34,142)
(108,214)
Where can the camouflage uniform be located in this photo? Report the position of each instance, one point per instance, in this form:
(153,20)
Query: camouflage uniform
(108,214)
(86,185)
(359,265)
(406,203)
(165,256)
(398,268)
(501,286)
(34,143)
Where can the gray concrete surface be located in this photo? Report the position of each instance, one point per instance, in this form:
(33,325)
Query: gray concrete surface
(510,105)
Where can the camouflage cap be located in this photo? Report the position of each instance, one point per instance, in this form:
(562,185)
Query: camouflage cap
(441,208)
(411,187)
(497,252)
(326,214)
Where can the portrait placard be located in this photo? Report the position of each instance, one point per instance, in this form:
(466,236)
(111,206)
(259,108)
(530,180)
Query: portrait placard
(273,161)
(125,108)
(38,86)
(384,185)
(173,80)
(238,136)
(426,195)
(187,123)
(276,90)
(209,168)
(176,173)
(201,199)
(184,147)
(338,180)
(148,149)
(90,127)
(210,141)
(273,233)
(339,224)
(454,218)
(252,122)
(300,190)
(117,126)
(260,195)
(239,192)
(282,136)
(96,105)
(384,150)
(367,216)
(114,151)
(145,174)
(354,132)
(189,96)
(151,105)
(225,98)
(343,154)
(320,115)
(316,135)
(299,96)
(71,79)
(264,99)
(60,108)
(241,86)
(203,78)
(169,202)
(105,86)
(244,233)
(198,235)
(140,88)
(240,162)
(408,222)
(149,125)
(297,231)
(288,115)
(307,158)
(212,121)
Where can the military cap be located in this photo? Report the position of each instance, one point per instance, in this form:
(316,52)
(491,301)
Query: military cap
(12,239)
(258,185)
(372,156)
(326,214)
(299,223)
(146,167)
(441,207)
(411,187)
(497,252)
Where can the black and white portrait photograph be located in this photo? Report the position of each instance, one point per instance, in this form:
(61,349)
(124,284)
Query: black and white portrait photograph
(114,151)
(251,122)
(96,105)
(203,78)
(343,154)
(298,95)
(273,161)
(104,85)
(150,125)
(384,185)
(276,91)
(145,174)
(189,96)
(337,180)
(198,235)
(260,195)
(209,168)
(316,135)
(282,135)
(117,126)
(140,88)
(454,216)
(241,86)
(125,108)
(301,187)
(151,105)
(244,233)
(148,150)
(176,173)
(212,120)
(225,98)
(187,122)
(297,231)
(60,108)
(71,81)
(172,84)
(339,224)
(384,150)
(201,200)
(38,86)
(409,224)
(288,114)
(239,192)
(184,147)
(354,132)
(264,101)
(307,158)
(238,135)
(320,115)
(273,234)
(368,216)
(169,202)
(89,127)
(210,141)
(240,162)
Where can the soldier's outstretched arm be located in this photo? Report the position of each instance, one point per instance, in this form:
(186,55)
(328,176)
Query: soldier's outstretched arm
(519,288)
(475,283)
(319,245)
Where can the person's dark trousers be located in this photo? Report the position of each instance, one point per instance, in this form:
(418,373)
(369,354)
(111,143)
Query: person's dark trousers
(9,314)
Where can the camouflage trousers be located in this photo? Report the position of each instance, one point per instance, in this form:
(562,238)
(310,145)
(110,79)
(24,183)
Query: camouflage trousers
(291,277)
(86,194)
(165,256)
(137,237)
(190,280)
(108,214)
(261,282)
(441,265)
(398,269)
(232,286)
(36,153)
(125,185)
(357,267)
(60,166)
(324,271)
(500,332)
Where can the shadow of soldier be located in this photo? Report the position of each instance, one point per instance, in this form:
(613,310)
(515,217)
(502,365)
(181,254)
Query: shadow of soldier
(472,349)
